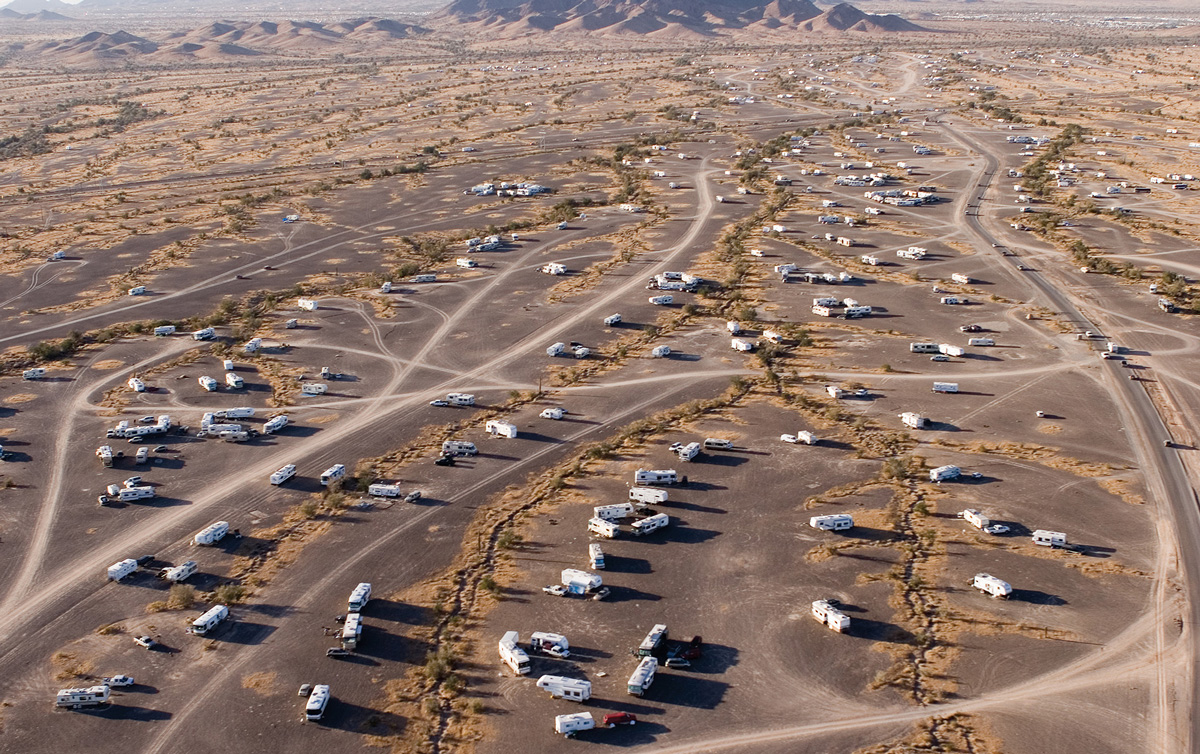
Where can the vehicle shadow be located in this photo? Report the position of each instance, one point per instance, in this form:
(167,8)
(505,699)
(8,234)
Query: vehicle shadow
(624,564)
(1035,597)
(245,633)
(398,612)
(681,505)
(132,712)
(343,715)
(539,437)
(876,630)
(629,594)
(687,690)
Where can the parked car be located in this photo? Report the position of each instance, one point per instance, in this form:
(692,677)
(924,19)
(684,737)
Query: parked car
(613,719)
(132,481)
(939,357)
(305,689)
(439,403)
(118,681)
(145,642)
(996,529)
(336,652)
(558,590)
(147,420)
(446,460)
(678,662)
(413,496)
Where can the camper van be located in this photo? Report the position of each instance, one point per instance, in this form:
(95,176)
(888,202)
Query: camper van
(829,615)
(991,585)
(208,383)
(512,655)
(652,523)
(596,557)
(555,645)
(318,700)
(569,725)
(359,598)
(647,496)
(234,381)
(643,676)
(655,477)
(352,631)
(1048,538)
(121,569)
(603,528)
(206,333)
(332,474)
(834,522)
(571,689)
(459,448)
(212,533)
(93,696)
(209,620)
(137,385)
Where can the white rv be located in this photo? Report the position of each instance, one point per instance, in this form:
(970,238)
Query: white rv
(92,696)
(981,342)
(208,383)
(466,263)
(1048,538)
(318,700)
(923,347)
(951,350)
(212,533)
(121,569)
(33,374)
(652,523)
(252,346)
(647,495)
(332,474)
(234,381)
(137,290)
(614,512)
(806,438)
(460,399)
(352,631)
(512,655)
(958,277)
(991,585)
(571,689)
(308,304)
(612,319)
(944,473)
(603,528)
(660,352)
(359,598)
(569,725)
(143,492)
(976,518)
(274,424)
(662,300)
(384,490)
(554,268)
(206,333)
(655,476)
(945,387)
(314,388)
(556,349)
(555,645)
(210,620)
(501,428)
(552,413)
(181,572)
(914,420)
(581,582)
(137,385)
(689,451)
(738,344)
(830,616)
(643,676)
(595,557)
(459,448)
(833,522)
(164,330)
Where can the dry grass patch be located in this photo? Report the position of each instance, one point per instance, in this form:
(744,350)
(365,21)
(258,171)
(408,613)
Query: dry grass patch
(262,683)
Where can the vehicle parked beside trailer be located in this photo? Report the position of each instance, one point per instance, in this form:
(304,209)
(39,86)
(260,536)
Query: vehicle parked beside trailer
(555,645)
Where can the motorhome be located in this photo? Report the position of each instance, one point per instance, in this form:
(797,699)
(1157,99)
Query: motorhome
(832,522)
(512,655)
(234,381)
(318,700)
(689,451)
(829,615)
(914,420)
(121,569)
(93,696)
(655,477)
(612,319)
(944,473)
(991,585)
(654,642)
(351,631)
(642,677)
(212,533)
(359,598)
(210,620)
(595,557)
(556,349)
(603,528)
(923,347)
(571,689)
(208,383)
(1048,538)
(206,333)
(647,495)
(555,645)
(980,342)
(137,385)
(137,290)
(333,474)
(459,448)
(649,524)
(36,373)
